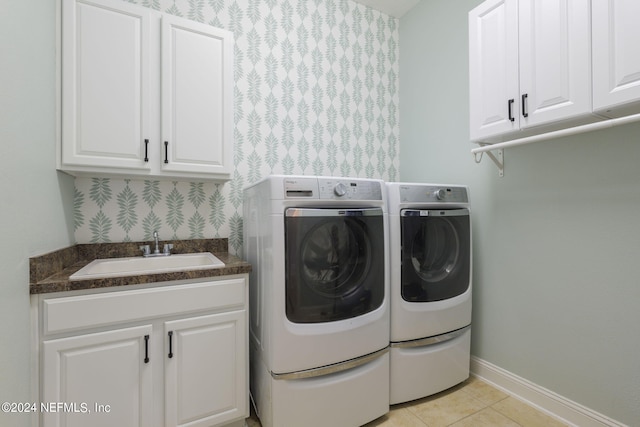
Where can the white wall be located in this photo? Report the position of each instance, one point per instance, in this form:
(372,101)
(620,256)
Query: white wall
(34,198)
(556,240)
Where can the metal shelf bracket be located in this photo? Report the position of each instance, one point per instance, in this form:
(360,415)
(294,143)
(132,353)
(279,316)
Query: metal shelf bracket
(496,156)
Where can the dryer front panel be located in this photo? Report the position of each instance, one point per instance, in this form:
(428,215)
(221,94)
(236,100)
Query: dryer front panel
(436,254)
(334,263)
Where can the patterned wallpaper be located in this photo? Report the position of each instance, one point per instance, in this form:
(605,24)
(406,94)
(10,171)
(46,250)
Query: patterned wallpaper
(316,93)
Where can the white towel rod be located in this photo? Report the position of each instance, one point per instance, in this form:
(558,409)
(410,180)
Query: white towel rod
(609,123)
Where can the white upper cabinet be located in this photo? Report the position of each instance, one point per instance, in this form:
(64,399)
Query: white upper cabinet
(493,68)
(144,93)
(555,72)
(195,117)
(616,57)
(529,65)
(105,84)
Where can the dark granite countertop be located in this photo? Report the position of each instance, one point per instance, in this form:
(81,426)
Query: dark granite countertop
(50,272)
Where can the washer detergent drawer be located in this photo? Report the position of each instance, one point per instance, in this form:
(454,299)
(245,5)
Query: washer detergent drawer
(348,398)
(417,372)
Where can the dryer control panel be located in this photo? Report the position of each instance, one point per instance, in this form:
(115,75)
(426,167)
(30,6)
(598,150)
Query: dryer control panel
(433,194)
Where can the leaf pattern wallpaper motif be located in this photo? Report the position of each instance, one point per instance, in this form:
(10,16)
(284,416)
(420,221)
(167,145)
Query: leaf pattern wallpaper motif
(175,205)
(316,93)
(127,217)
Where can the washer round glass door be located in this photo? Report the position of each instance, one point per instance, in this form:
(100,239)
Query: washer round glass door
(435,254)
(334,263)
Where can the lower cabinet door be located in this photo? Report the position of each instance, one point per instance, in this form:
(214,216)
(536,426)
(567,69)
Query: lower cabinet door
(100,380)
(205,370)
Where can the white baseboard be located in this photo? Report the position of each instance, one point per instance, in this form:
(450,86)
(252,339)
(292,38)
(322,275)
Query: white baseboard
(545,400)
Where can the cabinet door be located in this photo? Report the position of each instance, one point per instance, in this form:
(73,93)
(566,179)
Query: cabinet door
(206,370)
(105,68)
(197,97)
(555,64)
(616,55)
(102,377)
(493,68)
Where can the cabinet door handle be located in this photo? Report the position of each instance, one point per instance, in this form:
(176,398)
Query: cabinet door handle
(170,344)
(524,105)
(146,150)
(146,349)
(510,108)
(166,151)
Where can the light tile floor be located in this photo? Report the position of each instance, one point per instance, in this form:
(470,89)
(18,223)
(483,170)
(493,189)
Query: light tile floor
(473,403)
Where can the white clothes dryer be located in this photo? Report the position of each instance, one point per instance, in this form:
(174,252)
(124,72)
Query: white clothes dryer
(319,307)
(430,262)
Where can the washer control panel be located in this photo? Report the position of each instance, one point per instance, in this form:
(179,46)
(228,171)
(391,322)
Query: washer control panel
(433,193)
(332,188)
(346,189)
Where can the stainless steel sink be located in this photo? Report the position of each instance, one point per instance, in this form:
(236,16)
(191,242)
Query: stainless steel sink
(118,267)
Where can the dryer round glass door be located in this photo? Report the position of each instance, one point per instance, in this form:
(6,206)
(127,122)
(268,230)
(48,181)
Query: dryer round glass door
(334,263)
(435,254)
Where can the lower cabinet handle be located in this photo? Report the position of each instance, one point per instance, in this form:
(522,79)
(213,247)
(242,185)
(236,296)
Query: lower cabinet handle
(146,150)
(146,349)
(524,105)
(166,151)
(170,344)
(510,108)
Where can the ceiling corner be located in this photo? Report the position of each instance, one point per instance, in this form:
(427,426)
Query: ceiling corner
(395,8)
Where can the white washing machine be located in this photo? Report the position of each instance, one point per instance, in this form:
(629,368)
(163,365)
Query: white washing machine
(430,262)
(319,306)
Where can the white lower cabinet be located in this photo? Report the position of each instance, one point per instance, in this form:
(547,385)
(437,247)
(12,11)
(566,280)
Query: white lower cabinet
(205,394)
(171,355)
(89,370)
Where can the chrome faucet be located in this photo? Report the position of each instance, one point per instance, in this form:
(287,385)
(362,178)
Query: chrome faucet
(166,250)
(155,237)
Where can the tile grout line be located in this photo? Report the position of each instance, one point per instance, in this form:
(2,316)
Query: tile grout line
(487,405)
